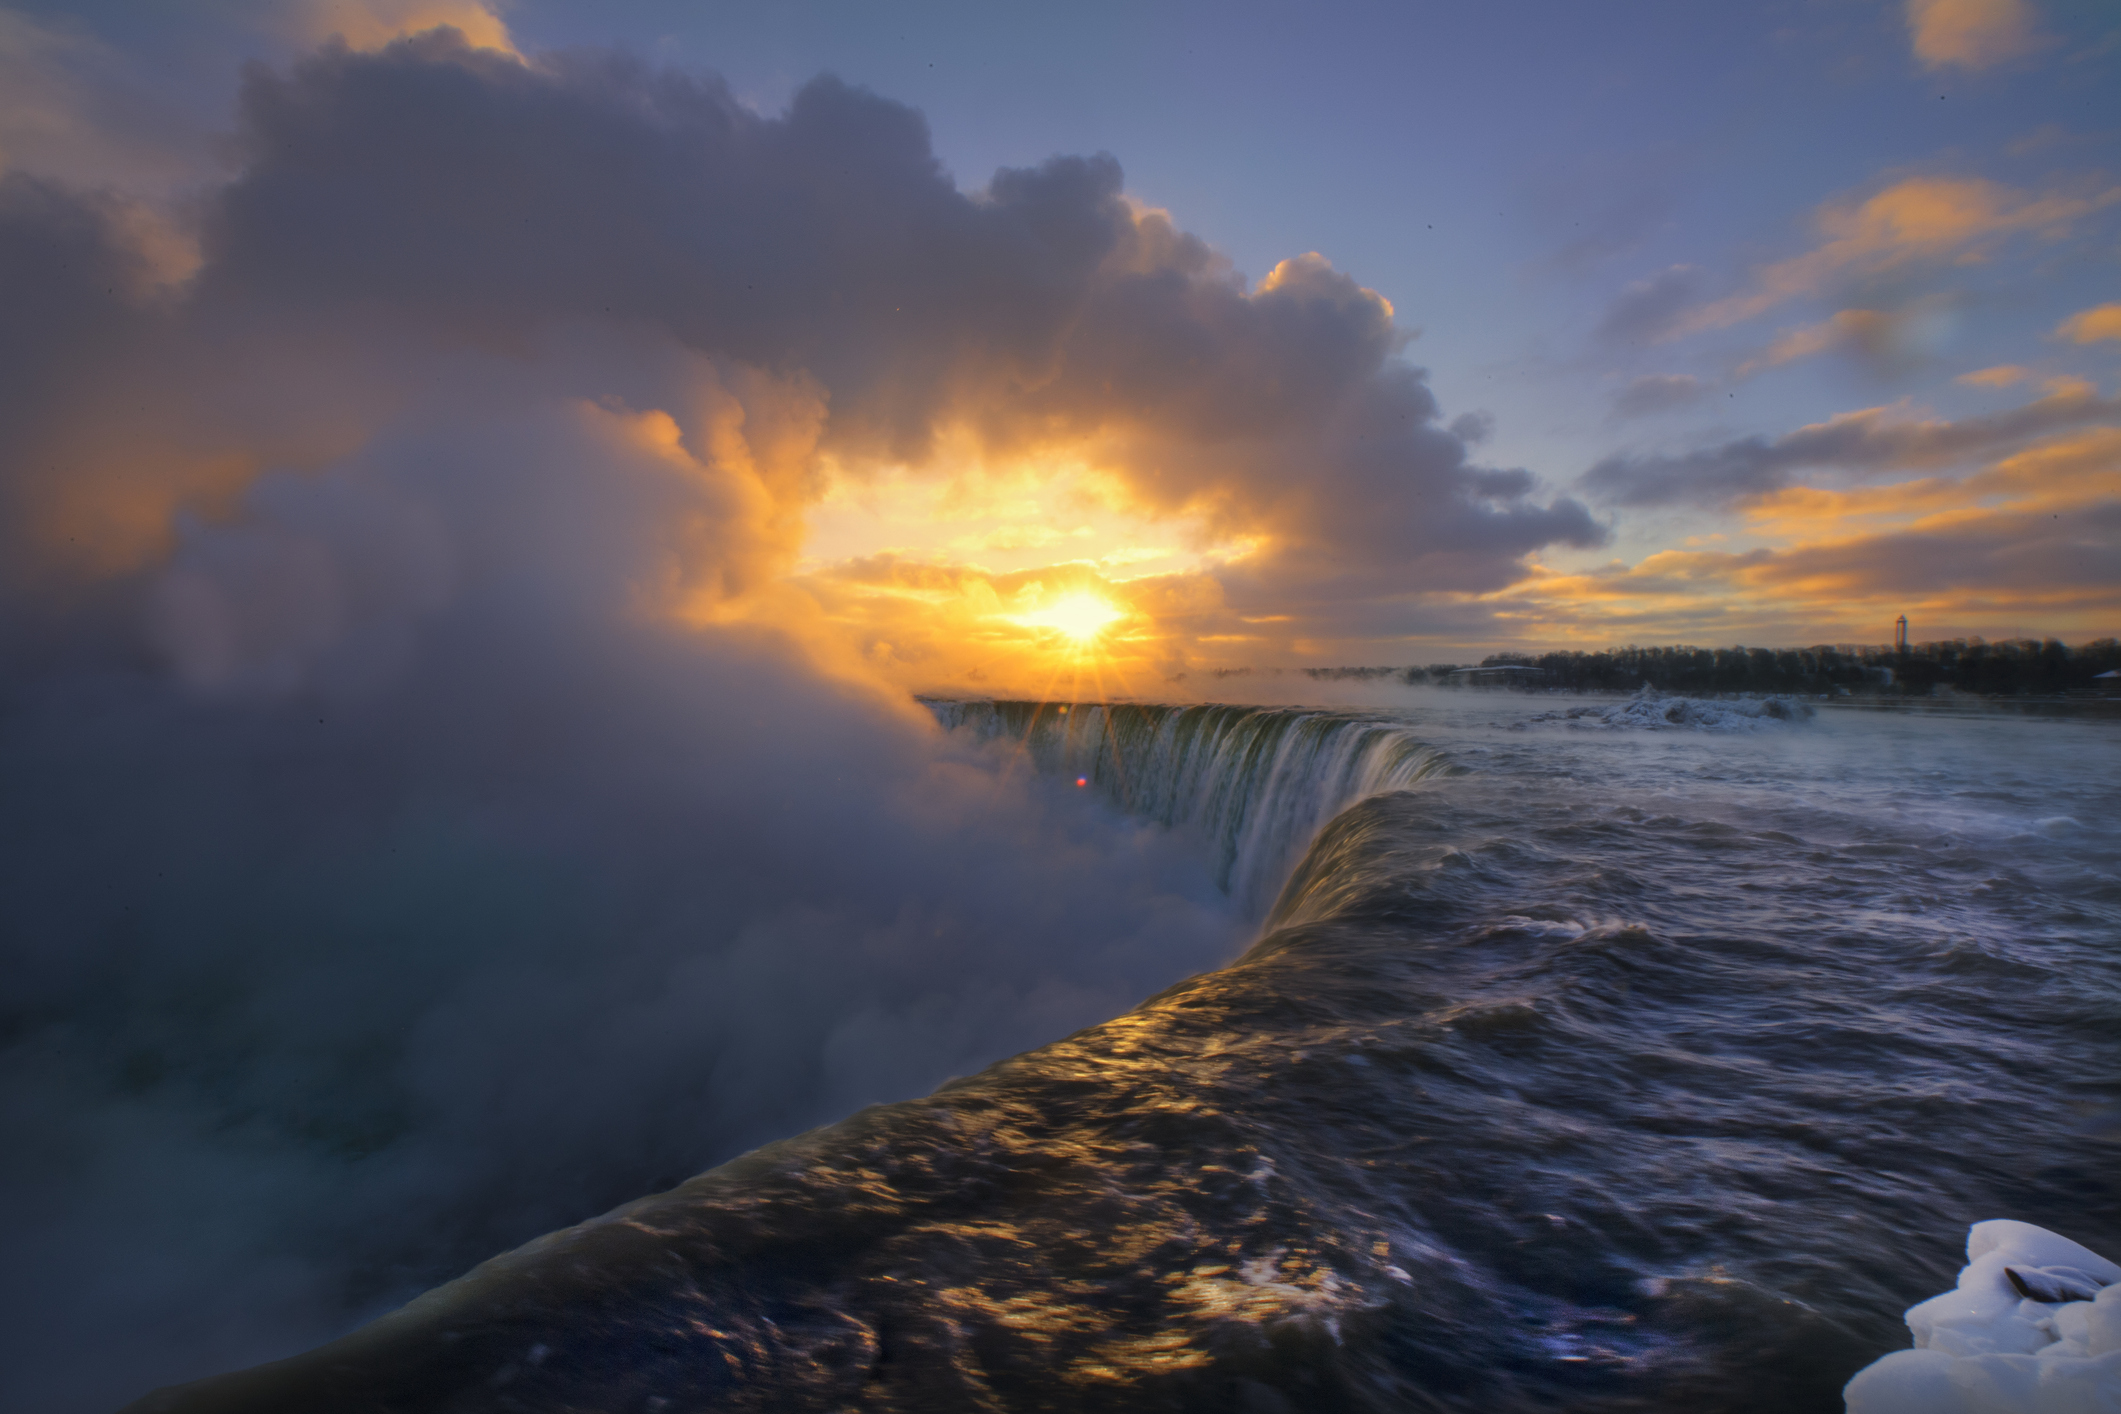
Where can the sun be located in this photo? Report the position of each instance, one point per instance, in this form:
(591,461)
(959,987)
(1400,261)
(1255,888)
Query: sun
(1081,615)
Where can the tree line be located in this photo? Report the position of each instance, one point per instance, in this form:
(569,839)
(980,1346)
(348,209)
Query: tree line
(2014,667)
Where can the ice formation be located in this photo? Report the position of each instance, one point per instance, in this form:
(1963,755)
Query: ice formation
(2034,1327)
(1648,710)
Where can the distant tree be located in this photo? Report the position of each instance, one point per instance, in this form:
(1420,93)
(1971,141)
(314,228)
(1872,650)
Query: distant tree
(2017,667)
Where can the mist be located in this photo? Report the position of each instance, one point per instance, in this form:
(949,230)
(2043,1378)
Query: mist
(423,827)
(434,812)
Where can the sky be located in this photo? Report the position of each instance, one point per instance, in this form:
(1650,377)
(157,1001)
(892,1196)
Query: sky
(477,486)
(1752,324)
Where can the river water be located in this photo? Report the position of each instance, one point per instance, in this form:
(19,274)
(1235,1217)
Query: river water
(1647,1058)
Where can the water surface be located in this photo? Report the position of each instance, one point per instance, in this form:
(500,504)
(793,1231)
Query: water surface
(1578,1067)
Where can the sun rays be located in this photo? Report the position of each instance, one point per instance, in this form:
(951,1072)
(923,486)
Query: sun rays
(1079,616)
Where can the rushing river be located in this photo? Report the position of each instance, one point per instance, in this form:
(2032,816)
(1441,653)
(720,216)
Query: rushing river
(1629,1060)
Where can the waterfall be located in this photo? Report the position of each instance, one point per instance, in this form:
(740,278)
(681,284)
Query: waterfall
(1258,782)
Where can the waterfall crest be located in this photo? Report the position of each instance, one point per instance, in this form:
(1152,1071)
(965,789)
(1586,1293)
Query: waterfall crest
(1258,782)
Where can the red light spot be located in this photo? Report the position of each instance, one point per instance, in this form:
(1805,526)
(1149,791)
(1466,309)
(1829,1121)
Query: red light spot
(1082,780)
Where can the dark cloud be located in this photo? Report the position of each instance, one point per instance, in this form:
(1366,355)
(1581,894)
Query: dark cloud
(1871,441)
(1473,428)
(1649,309)
(488,202)
(1654,393)
(830,242)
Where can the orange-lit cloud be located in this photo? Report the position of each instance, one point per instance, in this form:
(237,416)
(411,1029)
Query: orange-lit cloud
(1887,338)
(2000,574)
(2058,475)
(371,24)
(1970,34)
(1916,219)
(2003,375)
(933,623)
(1847,327)
(2092,325)
(2028,539)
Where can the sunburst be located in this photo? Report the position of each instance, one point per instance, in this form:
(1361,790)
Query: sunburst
(1081,616)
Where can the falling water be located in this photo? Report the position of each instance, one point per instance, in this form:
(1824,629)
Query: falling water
(1258,782)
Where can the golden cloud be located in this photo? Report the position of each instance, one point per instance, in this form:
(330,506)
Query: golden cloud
(932,624)
(1933,219)
(1970,34)
(2092,325)
(2003,375)
(2028,539)
(366,25)
(1844,328)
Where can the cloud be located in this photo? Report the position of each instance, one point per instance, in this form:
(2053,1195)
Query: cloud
(71,104)
(1649,309)
(1866,442)
(2027,558)
(1973,570)
(1970,34)
(2056,478)
(1884,338)
(1962,553)
(2091,325)
(371,24)
(1848,326)
(2003,375)
(1914,220)
(1046,313)
(2063,474)
(1654,393)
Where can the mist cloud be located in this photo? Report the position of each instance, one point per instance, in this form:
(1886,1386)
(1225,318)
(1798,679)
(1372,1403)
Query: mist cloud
(411,890)
(435,814)
(431,820)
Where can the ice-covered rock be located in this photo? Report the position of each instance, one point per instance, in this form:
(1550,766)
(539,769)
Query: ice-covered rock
(1649,711)
(2033,1327)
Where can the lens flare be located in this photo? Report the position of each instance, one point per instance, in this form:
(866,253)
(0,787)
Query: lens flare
(1082,616)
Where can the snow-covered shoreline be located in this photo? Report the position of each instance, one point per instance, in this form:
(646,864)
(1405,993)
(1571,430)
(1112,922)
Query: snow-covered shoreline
(2033,1327)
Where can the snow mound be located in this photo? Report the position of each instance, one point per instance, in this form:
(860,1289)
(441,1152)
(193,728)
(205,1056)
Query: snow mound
(2034,1327)
(1648,712)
